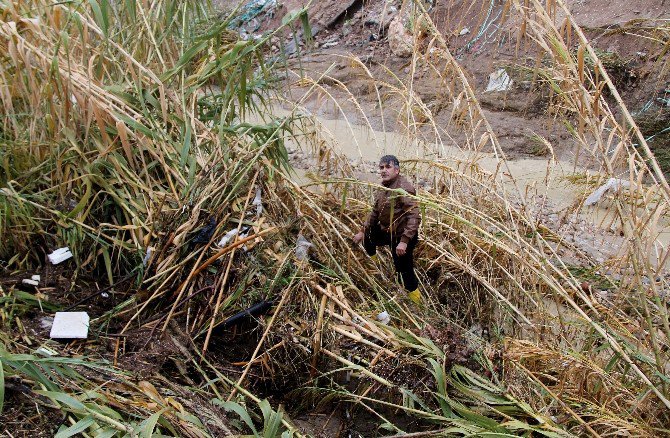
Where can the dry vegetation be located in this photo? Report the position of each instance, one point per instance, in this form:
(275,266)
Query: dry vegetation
(123,130)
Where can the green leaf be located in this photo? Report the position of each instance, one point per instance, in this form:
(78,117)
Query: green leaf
(108,265)
(149,424)
(186,147)
(108,432)
(130,8)
(83,201)
(306,29)
(64,398)
(77,427)
(271,420)
(98,16)
(242,412)
(2,387)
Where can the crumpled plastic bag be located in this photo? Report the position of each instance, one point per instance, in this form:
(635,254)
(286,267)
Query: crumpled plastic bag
(229,236)
(499,80)
(258,202)
(302,246)
(611,184)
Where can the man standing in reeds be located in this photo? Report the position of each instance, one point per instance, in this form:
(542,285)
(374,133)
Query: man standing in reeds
(394,221)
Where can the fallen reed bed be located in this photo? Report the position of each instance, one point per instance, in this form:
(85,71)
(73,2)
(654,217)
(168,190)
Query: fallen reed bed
(125,138)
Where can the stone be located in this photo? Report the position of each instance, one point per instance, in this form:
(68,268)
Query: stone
(400,39)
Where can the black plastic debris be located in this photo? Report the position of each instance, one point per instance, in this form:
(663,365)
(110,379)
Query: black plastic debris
(206,232)
(247,315)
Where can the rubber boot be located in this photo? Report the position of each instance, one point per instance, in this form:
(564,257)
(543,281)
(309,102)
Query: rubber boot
(415,296)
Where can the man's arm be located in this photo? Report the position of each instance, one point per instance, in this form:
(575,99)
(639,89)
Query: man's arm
(372,219)
(413,215)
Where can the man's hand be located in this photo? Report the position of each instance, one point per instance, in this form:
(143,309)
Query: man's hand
(358,238)
(401,249)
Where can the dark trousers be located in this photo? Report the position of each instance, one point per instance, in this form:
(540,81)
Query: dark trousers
(404,265)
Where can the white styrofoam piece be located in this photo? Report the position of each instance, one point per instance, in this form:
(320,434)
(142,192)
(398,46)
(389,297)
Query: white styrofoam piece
(60,255)
(70,325)
(30,282)
(35,278)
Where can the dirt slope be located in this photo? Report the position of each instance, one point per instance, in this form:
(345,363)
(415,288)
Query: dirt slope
(482,35)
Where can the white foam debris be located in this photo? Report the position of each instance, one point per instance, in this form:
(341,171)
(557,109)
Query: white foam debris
(46,352)
(60,255)
(464,31)
(36,278)
(70,325)
(30,282)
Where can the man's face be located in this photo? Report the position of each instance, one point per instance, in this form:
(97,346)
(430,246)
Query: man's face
(387,171)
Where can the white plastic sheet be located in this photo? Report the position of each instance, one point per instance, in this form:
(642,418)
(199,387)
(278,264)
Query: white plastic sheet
(611,184)
(230,235)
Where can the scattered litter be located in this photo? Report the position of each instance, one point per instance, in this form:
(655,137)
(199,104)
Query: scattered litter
(60,255)
(46,322)
(384,317)
(258,202)
(244,232)
(499,80)
(46,352)
(464,31)
(611,184)
(206,232)
(251,313)
(251,10)
(302,248)
(36,277)
(330,44)
(230,235)
(147,256)
(70,325)
(30,282)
